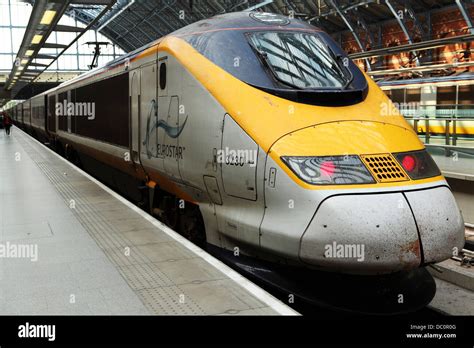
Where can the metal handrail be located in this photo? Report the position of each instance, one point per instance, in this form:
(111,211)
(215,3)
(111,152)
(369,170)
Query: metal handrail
(450,138)
(418,105)
(437,108)
(440,118)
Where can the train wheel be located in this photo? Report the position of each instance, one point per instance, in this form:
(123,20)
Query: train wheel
(170,215)
(72,156)
(60,149)
(191,225)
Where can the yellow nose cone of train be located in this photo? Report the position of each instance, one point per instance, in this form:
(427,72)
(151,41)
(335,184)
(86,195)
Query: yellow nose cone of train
(348,138)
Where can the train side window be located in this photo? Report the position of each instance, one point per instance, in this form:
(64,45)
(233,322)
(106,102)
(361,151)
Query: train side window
(163,76)
(413,96)
(445,97)
(398,96)
(465,100)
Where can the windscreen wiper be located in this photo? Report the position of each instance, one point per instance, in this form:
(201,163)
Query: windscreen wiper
(264,58)
(340,58)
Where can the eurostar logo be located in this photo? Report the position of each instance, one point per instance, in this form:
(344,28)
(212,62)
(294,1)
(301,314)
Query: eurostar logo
(172,132)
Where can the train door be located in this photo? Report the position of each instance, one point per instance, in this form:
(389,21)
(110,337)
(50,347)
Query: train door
(149,113)
(239,167)
(170,125)
(242,210)
(69,116)
(20,116)
(135,116)
(51,114)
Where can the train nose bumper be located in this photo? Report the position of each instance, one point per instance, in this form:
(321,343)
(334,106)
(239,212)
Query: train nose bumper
(383,233)
(440,223)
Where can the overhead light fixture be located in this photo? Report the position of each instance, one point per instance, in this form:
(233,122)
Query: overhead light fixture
(29,53)
(17,73)
(24,61)
(36,39)
(48,17)
(20,68)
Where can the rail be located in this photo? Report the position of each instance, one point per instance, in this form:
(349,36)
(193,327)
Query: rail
(466,256)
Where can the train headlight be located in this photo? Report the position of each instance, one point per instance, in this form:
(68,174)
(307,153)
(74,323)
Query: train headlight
(329,170)
(418,164)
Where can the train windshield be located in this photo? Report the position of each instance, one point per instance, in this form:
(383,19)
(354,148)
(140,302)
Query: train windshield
(301,60)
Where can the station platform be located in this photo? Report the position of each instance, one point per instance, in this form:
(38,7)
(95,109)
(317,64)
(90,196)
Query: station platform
(70,245)
(454,288)
(458,169)
(461,168)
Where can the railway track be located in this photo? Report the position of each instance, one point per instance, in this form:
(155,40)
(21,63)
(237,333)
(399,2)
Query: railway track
(315,307)
(469,237)
(466,255)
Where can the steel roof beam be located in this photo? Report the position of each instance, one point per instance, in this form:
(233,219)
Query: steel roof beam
(414,17)
(44,56)
(110,27)
(38,64)
(151,13)
(213,6)
(402,25)
(129,32)
(124,38)
(399,21)
(54,45)
(67,29)
(336,7)
(173,13)
(431,67)
(363,24)
(123,5)
(334,11)
(465,14)
(417,46)
(262,4)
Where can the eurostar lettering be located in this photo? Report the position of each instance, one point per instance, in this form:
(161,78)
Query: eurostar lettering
(170,151)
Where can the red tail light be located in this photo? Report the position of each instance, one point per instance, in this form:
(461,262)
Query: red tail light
(328,168)
(408,163)
(418,164)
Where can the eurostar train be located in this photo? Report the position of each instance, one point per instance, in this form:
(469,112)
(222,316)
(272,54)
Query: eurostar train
(436,98)
(255,131)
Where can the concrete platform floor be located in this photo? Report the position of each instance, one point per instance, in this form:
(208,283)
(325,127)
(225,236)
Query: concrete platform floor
(451,299)
(85,250)
(455,288)
(458,165)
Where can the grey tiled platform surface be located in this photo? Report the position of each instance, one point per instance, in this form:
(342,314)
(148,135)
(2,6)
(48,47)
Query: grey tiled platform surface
(452,299)
(463,168)
(458,165)
(100,256)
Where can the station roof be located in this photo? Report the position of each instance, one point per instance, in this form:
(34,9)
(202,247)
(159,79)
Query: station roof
(134,23)
(131,24)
